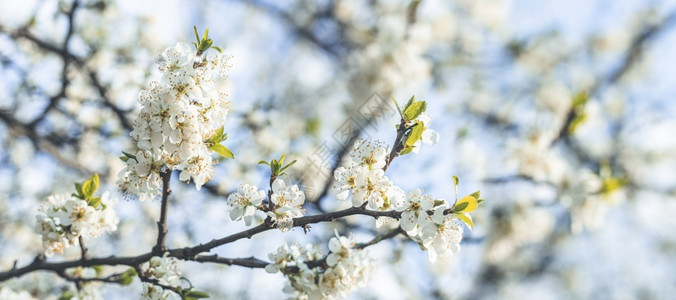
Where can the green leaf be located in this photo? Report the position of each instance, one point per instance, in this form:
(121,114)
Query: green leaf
(127,277)
(217,49)
(281,159)
(476,194)
(196,294)
(129,155)
(98,269)
(206,35)
(401,114)
(577,121)
(90,186)
(467,219)
(465,205)
(406,150)
(94,202)
(217,137)
(480,200)
(414,110)
(78,189)
(456,180)
(262,162)
(460,206)
(222,150)
(409,102)
(67,295)
(197,35)
(287,166)
(415,134)
(124,158)
(580,99)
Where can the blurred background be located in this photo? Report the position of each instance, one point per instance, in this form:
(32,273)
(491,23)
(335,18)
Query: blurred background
(561,112)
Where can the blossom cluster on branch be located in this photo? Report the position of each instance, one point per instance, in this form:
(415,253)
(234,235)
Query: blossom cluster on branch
(346,267)
(63,219)
(179,126)
(180,123)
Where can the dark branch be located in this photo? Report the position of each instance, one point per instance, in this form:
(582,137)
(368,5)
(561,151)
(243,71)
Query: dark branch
(160,246)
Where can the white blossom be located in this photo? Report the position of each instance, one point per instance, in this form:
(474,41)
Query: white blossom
(414,213)
(63,218)
(179,115)
(288,202)
(8,294)
(347,267)
(244,203)
(371,154)
(165,270)
(442,236)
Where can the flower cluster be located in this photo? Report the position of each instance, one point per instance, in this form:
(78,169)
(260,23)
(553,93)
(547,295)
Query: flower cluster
(364,178)
(440,232)
(7,293)
(346,267)
(293,256)
(179,117)
(287,202)
(63,218)
(165,270)
(244,203)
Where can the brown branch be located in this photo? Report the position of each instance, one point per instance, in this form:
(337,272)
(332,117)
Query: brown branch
(189,253)
(160,246)
(398,144)
(83,248)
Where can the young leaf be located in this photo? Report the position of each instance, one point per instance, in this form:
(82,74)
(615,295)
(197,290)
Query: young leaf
(127,277)
(78,189)
(217,137)
(409,102)
(129,155)
(287,166)
(476,194)
(197,35)
(465,205)
(94,202)
(222,150)
(98,269)
(467,219)
(90,186)
(401,114)
(456,180)
(262,162)
(415,134)
(414,110)
(460,206)
(196,294)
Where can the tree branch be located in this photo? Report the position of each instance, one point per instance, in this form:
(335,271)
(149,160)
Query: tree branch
(160,246)
(83,248)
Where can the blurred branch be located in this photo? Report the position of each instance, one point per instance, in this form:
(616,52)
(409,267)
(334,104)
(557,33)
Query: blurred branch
(631,58)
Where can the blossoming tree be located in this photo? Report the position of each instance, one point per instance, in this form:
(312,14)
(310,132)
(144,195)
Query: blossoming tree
(179,129)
